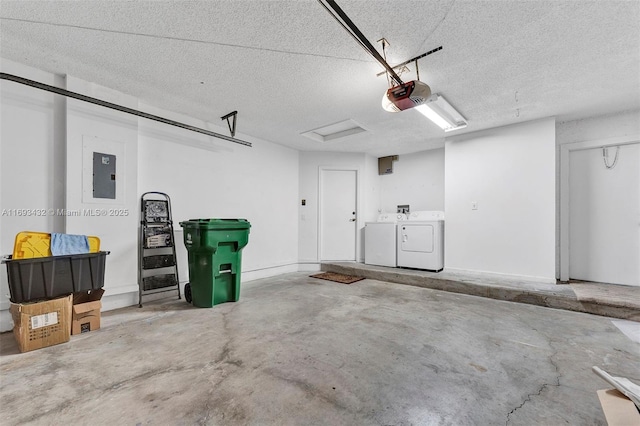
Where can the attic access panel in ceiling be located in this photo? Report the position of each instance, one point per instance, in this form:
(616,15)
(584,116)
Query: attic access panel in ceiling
(334,131)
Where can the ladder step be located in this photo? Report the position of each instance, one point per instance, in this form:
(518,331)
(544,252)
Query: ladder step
(159,281)
(158,236)
(155,211)
(158,261)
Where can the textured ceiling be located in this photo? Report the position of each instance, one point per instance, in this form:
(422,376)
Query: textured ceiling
(288,67)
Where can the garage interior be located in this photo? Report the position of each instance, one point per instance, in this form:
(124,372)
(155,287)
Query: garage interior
(281,123)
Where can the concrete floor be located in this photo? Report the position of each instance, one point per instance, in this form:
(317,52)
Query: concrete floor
(298,350)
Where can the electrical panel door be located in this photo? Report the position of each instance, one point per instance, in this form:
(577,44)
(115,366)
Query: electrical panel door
(104,176)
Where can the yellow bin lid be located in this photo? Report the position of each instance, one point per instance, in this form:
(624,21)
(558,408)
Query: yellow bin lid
(29,245)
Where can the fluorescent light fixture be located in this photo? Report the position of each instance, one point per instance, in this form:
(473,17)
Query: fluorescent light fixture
(438,110)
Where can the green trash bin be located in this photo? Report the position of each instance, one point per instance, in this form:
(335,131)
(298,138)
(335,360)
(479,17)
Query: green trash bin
(215,248)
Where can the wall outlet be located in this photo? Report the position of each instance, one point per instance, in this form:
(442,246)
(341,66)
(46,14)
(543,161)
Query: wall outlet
(474,205)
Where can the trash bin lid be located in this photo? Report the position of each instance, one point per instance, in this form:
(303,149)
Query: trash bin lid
(216,223)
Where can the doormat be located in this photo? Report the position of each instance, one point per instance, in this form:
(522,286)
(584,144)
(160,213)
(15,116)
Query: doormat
(608,294)
(339,278)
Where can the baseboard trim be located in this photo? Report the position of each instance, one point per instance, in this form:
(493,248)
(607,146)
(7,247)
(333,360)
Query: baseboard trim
(309,267)
(271,271)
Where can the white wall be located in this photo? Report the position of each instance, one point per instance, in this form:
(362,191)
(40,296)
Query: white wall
(41,157)
(212,178)
(110,132)
(42,154)
(26,164)
(417,180)
(371,199)
(510,173)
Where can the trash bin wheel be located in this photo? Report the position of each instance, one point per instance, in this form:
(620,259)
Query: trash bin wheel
(187,293)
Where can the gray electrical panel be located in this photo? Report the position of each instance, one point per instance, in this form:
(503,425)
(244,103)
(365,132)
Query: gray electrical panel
(104,175)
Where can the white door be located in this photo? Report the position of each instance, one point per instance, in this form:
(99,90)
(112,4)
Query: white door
(604,216)
(338,214)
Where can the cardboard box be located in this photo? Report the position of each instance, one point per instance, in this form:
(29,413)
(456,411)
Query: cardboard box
(41,324)
(618,409)
(86,311)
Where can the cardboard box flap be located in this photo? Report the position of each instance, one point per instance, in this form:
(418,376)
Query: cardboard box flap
(86,307)
(34,307)
(618,409)
(87,296)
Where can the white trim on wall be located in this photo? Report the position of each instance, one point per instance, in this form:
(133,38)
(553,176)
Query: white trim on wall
(565,151)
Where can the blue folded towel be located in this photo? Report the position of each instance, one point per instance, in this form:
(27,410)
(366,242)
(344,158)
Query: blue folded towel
(62,244)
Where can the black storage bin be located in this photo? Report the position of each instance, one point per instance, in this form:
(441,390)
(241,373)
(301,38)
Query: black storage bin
(54,276)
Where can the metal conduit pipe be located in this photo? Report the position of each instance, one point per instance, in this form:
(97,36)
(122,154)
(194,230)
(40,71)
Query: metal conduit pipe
(126,110)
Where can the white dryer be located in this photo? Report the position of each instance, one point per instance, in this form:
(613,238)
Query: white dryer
(421,241)
(380,240)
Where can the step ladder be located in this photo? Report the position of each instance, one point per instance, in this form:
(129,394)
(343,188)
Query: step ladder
(157,261)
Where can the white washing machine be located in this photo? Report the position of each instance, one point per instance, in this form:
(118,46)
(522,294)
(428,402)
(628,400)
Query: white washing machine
(421,241)
(380,240)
